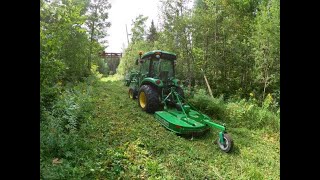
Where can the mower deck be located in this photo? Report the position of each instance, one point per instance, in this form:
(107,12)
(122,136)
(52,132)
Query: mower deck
(178,122)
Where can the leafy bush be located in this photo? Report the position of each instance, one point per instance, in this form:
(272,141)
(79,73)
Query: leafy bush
(51,72)
(243,113)
(250,115)
(211,106)
(58,129)
(103,67)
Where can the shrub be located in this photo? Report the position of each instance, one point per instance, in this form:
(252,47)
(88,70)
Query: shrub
(211,106)
(240,113)
(103,67)
(59,127)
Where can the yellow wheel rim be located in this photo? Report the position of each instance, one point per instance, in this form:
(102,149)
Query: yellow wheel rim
(130,94)
(142,99)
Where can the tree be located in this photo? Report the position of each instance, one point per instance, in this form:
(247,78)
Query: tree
(236,43)
(266,47)
(177,35)
(97,23)
(138,29)
(152,35)
(64,46)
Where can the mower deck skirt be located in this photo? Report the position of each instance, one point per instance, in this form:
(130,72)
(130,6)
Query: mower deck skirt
(178,122)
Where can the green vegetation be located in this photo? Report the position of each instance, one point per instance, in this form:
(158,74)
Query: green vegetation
(90,129)
(120,140)
(67,53)
(242,113)
(235,43)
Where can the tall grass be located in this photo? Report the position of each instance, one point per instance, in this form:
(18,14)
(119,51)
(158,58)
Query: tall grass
(242,113)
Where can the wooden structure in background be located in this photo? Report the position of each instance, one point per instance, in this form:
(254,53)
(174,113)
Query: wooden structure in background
(110,55)
(112,59)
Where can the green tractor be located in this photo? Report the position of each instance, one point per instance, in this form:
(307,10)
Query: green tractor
(159,92)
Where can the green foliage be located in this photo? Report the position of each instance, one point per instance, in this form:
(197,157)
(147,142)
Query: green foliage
(240,113)
(120,141)
(103,67)
(89,129)
(72,107)
(63,34)
(64,47)
(266,47)
(236,43)
(244,114)
(138,29)
(64,39)
(212,106)
(127,62)
(96,25)
(51,72)
(97,19)
(152,34)
(137,44)
(61,131)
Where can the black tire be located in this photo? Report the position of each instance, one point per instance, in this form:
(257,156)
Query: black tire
(151,101)
(227,147)
(132,93)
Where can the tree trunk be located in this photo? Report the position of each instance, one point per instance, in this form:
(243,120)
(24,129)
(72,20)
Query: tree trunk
(90,52)
(215,33)
(91,39)
(210,91)
(264,87)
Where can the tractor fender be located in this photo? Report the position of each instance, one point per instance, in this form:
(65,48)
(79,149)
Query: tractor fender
(152,81)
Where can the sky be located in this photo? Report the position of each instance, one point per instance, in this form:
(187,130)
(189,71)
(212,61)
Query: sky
(122,13)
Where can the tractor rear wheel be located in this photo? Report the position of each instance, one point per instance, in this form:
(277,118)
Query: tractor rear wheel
(148,98)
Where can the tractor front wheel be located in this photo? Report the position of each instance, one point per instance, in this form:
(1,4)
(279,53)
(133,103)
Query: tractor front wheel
(148,98)
(132,94)
(228,143)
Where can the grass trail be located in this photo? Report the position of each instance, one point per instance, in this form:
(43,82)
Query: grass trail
(133,145)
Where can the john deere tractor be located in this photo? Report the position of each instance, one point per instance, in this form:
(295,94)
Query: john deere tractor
(159,92)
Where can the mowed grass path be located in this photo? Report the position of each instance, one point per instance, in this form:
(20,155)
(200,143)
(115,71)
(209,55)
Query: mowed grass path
(136,146)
